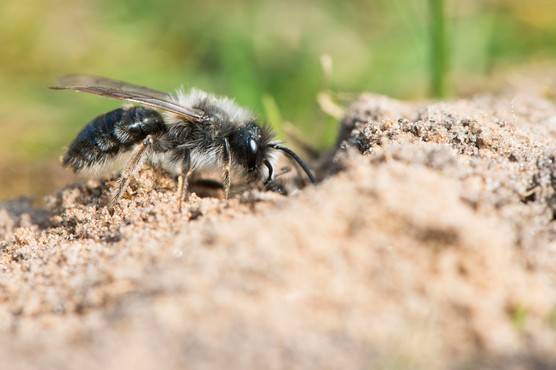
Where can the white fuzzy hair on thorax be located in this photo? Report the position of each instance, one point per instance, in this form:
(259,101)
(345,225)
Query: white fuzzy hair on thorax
(196,97)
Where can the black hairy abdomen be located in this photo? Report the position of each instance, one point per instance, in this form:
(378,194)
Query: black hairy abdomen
(111,134)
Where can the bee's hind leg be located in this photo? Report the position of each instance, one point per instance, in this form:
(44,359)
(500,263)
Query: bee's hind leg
(137,159)
(226,180)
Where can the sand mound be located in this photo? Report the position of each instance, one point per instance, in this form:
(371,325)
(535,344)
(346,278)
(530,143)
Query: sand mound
(429,243)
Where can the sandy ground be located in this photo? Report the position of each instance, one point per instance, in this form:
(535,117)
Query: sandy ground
(429,243)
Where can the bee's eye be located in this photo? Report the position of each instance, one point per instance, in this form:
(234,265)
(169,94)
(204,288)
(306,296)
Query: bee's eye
(246,148)
(252,153)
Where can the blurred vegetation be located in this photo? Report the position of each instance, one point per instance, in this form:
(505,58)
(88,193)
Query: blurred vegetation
(265,54)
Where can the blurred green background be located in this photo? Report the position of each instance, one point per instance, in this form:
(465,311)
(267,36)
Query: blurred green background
(265,54)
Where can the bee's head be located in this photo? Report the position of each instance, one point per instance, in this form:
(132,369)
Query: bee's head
(249,145)
(253,148)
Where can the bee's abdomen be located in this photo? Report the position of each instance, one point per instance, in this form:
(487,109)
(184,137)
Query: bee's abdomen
(111,134)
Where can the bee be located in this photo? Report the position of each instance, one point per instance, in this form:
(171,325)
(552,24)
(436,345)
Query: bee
(182,133)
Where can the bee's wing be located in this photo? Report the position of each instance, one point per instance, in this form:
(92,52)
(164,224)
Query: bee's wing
(124,91)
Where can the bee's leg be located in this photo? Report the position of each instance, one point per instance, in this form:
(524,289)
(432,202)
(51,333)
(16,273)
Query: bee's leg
(137,158)
(182,177)
(272,185)
(291,154)
(226,180)
(268,165)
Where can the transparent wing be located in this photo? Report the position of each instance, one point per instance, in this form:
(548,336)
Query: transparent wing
(125,91)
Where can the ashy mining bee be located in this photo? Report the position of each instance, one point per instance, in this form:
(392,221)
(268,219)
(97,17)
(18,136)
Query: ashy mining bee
(182,133)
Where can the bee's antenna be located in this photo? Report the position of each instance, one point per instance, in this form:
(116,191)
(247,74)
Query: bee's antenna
(290,153)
